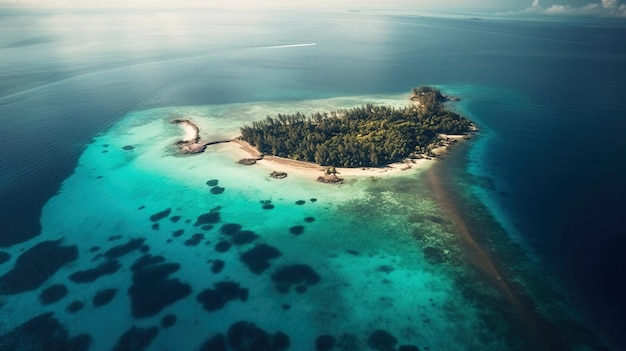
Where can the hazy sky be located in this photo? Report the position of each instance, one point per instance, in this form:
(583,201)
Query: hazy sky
(548,7)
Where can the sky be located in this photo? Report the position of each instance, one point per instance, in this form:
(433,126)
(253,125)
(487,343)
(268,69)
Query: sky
(599,8)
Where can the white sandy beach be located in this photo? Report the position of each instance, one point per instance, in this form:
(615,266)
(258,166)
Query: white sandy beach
(239,150)
(191,132)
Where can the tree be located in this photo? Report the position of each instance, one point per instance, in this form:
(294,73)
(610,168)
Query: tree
(367,135)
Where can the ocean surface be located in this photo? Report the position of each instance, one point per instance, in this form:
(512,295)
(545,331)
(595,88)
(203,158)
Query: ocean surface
(109,239)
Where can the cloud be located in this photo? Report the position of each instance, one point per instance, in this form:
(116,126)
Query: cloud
(604,8)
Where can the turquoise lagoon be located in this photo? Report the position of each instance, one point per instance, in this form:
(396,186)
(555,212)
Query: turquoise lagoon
(387,255)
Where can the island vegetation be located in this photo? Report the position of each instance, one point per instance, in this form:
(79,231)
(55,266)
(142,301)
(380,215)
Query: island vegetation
(363,136)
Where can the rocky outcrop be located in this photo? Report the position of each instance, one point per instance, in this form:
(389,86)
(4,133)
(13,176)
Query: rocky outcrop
(247,161)
(191,144)
(278,175)
(193,148)
(330,179)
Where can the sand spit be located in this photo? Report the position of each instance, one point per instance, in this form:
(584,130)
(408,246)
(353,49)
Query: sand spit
(191,143)
(539,332)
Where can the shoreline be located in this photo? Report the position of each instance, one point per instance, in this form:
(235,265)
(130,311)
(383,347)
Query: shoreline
(241,150)
(190,144)
(247,155)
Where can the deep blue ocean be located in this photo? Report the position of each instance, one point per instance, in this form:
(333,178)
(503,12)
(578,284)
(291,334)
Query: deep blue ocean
(541,187)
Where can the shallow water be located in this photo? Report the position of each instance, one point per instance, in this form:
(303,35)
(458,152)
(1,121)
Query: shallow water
(360,241)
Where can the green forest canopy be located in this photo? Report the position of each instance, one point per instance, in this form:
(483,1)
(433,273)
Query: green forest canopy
(362,136)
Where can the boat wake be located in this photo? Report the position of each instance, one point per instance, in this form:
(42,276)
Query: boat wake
(290,46)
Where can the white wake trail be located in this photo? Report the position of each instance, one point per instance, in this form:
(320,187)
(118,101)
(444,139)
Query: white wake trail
(290,46)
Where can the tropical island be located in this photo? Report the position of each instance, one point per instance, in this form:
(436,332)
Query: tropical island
(365,136)
(360,140)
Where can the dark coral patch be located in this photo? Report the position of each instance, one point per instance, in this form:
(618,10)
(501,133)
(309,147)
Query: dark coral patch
(257,259)
(175,219)
(141,208)
(36,265)
(152,289)
(385,269)
(230,228)
(382,341)
(244,237)
(168,321)
(121,250)
(212,182)
(178,233)
(309,219)
(95,248)
(207,227)
(75,307)
(408,348)
(297,229)
(325,342)
(434,255)
(4,257)
(223,292)
(195,239)
(267,204)
(160,215)
(216,190)
(43,332)
(208,218)
(216,343)
(103,297)
(245,336)
(300,202)
(297,274)
(313,199)
(128,147)
(89,275)
(155,226)
(223,246)
(280,341)
(136,339)
(114,237)
(144,249)
(217,266)
(53,294)
(145,261)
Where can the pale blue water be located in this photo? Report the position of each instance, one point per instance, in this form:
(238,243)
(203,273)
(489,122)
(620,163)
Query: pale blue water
(540,188)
